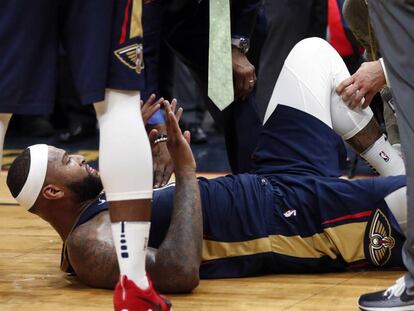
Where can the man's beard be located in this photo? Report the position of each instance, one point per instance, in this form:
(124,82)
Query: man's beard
(88,188)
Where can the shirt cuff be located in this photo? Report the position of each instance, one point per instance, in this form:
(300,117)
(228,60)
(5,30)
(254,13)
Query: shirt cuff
(381,60)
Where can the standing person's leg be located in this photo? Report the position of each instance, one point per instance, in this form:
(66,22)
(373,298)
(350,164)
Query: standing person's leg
(393,21)
(28,59)
(111,80)
(309,86)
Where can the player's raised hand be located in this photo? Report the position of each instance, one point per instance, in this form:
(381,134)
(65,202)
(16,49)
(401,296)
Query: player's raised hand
(150,107)
(163,166)
(178,143)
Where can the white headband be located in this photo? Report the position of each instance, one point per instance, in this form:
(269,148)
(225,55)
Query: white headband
(37,174)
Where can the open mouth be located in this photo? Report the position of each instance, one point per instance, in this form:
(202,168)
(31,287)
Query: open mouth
(91,170)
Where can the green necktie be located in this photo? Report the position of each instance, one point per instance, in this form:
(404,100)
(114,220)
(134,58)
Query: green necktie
(220,71)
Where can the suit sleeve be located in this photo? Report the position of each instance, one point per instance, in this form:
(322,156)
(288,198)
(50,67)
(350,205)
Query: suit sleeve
(243,17)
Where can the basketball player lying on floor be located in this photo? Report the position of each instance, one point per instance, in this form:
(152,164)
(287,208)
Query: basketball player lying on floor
(292,215)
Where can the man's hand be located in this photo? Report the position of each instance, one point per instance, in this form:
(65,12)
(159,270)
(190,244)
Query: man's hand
(178,143)
(163,166)
(244,74)
(365,83)
(150,107)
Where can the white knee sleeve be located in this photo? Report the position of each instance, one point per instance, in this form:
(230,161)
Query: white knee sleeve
(397,203)
(346,122)
(307,82)
(4,123)
(304,82)
(125,159)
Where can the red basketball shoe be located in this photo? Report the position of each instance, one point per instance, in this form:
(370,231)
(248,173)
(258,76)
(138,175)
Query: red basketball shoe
(129,297)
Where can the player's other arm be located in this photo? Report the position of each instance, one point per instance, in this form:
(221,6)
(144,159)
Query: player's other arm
(92,254)
(174,267)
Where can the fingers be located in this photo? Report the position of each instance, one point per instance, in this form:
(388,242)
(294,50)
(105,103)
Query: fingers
(167,175)
(357,98)
(349,92)
(187,136)
(344,84)
(368,100)
(153,135)
(150,100)
(172,108)
(178,114)
(247,81)
(158,176)
(150,107)
(173,125)
(173,104)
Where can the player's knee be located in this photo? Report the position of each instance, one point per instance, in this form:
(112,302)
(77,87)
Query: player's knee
(314,48)
(346,122)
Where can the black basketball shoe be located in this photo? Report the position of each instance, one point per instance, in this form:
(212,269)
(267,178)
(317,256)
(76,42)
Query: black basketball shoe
(394,298)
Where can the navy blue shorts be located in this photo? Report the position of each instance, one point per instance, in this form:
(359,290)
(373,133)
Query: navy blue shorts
(101,38)
(293,215)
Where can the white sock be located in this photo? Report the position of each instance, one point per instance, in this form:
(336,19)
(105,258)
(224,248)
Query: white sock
(131,239)
(384,158)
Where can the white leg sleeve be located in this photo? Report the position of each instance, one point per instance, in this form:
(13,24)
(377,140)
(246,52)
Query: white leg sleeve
(397,203)
(4,123)
(307,82)
(304,82)
(125,159)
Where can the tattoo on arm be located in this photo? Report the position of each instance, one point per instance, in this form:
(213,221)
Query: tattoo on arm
(92,254)
(175,267)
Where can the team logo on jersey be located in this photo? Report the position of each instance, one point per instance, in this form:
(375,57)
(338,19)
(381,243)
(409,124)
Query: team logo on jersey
(132,57)
(384,156)
(380,240)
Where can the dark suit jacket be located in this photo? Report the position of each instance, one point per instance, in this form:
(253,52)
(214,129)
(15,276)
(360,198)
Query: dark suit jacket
(186,27)
(186,32)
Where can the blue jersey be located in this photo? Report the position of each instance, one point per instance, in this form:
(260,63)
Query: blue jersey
(294,215)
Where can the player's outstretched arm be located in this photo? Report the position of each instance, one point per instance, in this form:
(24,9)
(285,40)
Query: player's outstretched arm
(175,265)
(162,163)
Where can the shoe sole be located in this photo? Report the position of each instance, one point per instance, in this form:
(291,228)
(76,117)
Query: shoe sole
(406,308)
(171,309)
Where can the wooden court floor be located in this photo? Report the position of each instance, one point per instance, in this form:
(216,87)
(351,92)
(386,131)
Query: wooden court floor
(30,278)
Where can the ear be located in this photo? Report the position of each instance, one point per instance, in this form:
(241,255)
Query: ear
(52,192)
